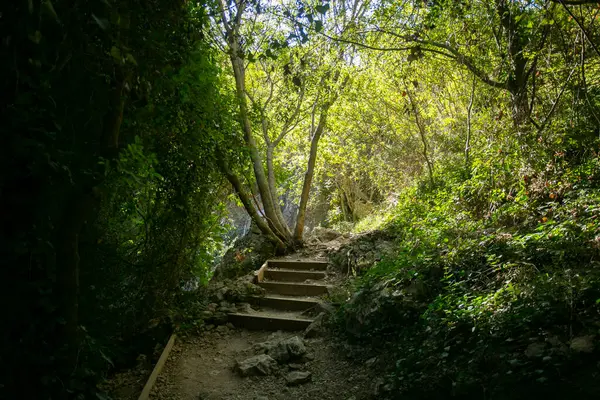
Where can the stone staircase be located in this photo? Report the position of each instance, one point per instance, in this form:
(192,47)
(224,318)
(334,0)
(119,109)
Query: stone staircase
(293,288)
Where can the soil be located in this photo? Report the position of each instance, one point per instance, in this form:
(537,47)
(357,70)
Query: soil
(202,368)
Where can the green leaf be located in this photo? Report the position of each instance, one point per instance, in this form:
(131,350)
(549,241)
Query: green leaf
(318,26)
(129,57)
(322,8)
(35,37)
(49,10)
(116,54)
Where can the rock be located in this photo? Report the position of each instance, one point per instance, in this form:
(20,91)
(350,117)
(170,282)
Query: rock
(535,349)
(279,352)
(583,344)
(325,234)
(206,314)
(284,350)
(222,329)
(261,364)
(224,304)
(326,308)
(261,398)
(230,325)
(246,308)
(295,347)
(296,366)
(220,317)
(316,328)
(298,377)
(309,357)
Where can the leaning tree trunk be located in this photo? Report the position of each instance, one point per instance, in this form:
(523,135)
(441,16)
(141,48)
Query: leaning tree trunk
(247,202)
(257,163)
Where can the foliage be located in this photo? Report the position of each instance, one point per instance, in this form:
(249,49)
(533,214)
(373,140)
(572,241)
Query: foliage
(109,127)
(471,294)
(469,128)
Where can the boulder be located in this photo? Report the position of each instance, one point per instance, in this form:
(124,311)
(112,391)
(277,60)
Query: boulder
(298,377)
(284,350)
(261,364)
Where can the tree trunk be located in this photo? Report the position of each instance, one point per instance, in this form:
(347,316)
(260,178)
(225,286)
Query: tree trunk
(273,189)
(520,106)
(308,176)
(468,140)
(247,202)
(518,76)
(259,172)
(421,130)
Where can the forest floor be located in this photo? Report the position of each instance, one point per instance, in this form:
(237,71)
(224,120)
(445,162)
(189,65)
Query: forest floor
(202,368)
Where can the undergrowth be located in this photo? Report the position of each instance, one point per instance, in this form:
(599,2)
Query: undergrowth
(493,293)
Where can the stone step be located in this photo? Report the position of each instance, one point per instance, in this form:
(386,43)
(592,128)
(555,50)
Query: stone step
(288,275)
(268,321)
(298,265)
(285,303)
(294,289)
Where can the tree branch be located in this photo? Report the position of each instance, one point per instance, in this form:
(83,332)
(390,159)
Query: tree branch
(563,3)
(288,126)
(576,2)
(547,119)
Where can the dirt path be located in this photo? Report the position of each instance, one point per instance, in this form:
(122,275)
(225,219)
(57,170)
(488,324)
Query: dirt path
(202,368)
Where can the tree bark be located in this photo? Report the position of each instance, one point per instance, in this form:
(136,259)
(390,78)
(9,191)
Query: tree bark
(273,189)
(468,140)
(247,202)
(421,130)
(259,172)
(518,76)
(308,176)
